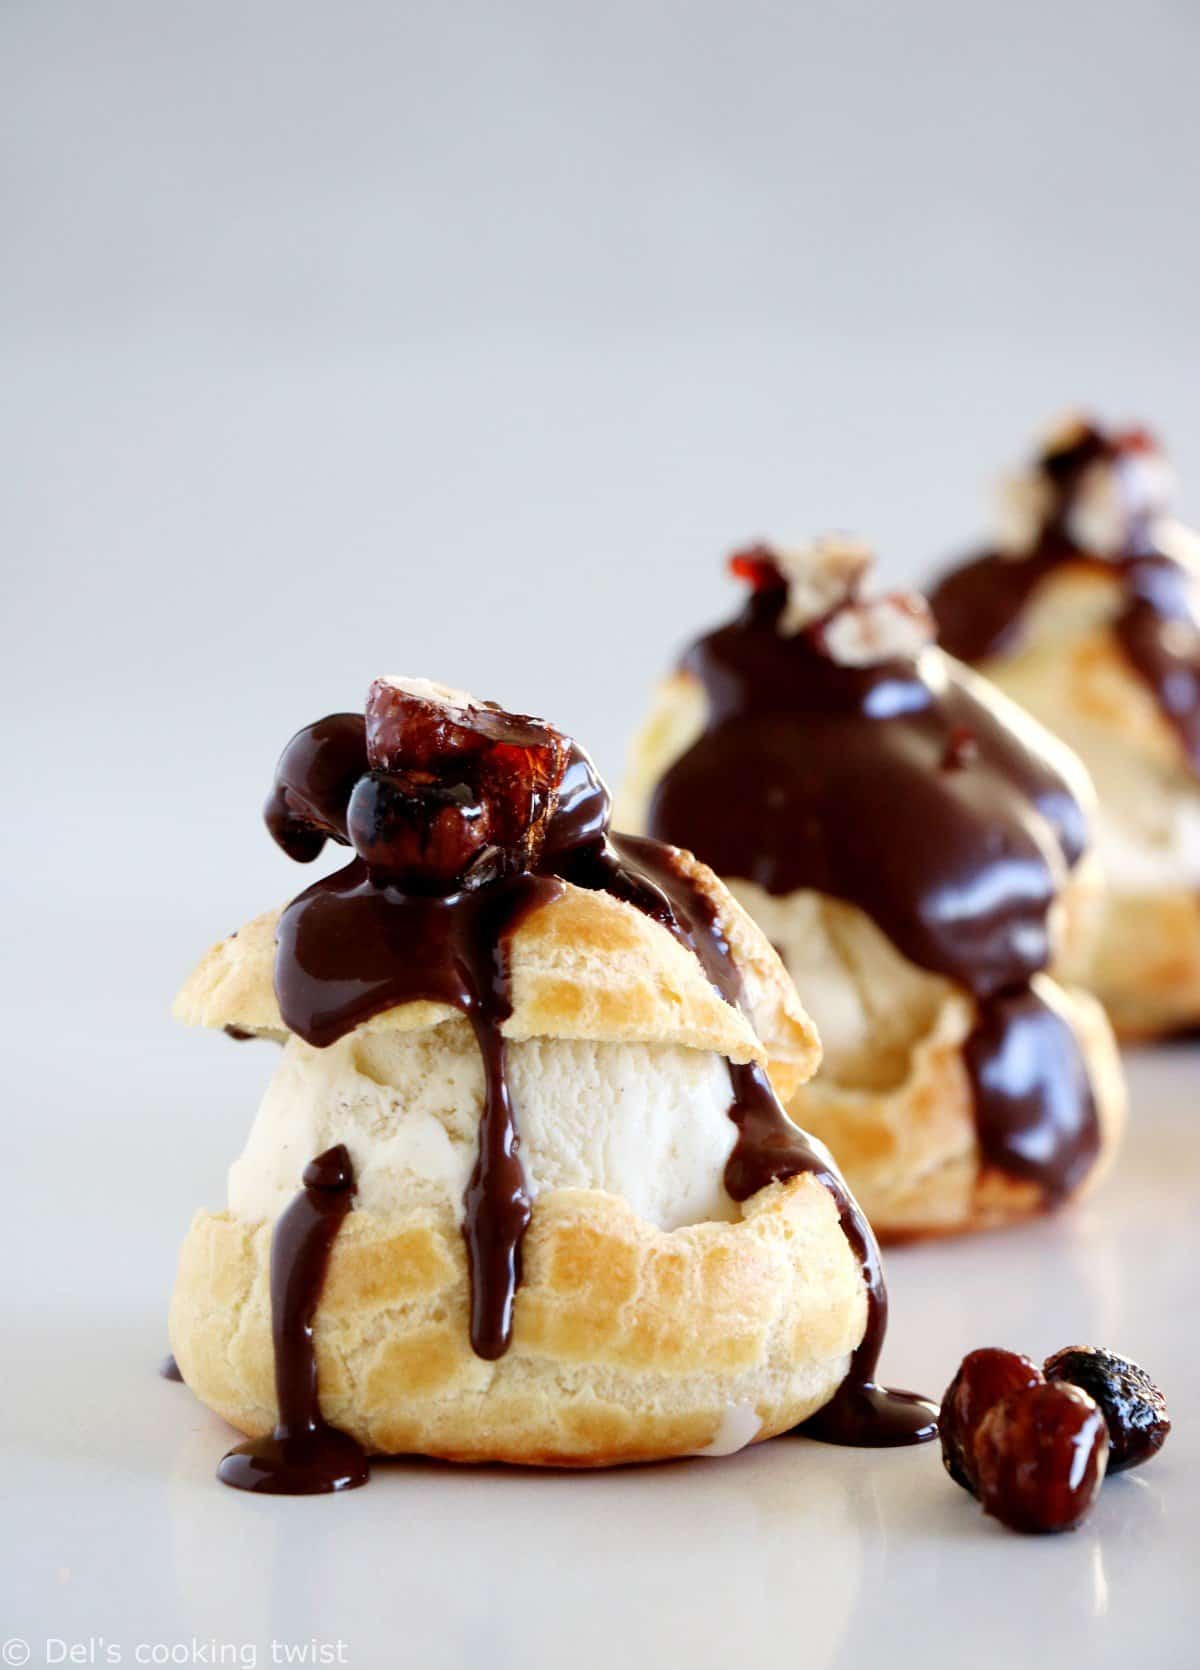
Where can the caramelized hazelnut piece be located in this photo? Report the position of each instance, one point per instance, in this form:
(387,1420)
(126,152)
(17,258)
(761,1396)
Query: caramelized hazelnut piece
(1134,1409)
(433,790)
(983,1379)
(513,764)
(1040,1457)
(425,837)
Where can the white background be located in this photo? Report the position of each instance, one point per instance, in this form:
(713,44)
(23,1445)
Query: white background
(464,340)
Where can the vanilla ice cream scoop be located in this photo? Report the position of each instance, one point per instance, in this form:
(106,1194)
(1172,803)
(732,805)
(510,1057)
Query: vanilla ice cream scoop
(1087,612)
(646,1121)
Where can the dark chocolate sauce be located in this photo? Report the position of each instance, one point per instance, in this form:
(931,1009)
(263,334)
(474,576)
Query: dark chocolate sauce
(304,1455)
(771,1149)
(1030,1078)
(980,606)
(169,1368)
(314,780)
(353,945)
(1159,631)
(896,788)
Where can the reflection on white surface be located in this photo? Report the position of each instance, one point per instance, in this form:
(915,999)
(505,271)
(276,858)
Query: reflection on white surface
(455,1562)
(1099,1581)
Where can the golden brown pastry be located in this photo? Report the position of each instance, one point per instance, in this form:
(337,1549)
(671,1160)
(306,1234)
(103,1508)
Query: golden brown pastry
(915,847)
(520,1188)
(1088,614)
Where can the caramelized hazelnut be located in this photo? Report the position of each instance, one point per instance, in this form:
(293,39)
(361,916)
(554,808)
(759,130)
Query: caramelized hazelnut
(983,1379)
(424,837)
(1134,1409)
(513,763)
(1039,1458)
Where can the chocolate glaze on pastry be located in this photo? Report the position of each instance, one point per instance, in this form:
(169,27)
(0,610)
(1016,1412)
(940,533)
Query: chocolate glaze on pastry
(980,605)
(360,942)
(893,785)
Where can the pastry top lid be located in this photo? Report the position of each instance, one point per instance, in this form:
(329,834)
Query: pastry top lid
(483,839)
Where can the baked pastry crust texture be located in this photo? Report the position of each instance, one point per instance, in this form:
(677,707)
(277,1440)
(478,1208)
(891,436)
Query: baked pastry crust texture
(630,1343)
(909,1151)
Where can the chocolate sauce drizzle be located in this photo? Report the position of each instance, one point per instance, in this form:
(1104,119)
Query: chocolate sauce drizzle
(304,1455)
(896,788)
(980,605)
(352,946)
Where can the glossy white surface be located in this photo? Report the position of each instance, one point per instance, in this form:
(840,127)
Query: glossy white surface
(115,1531)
